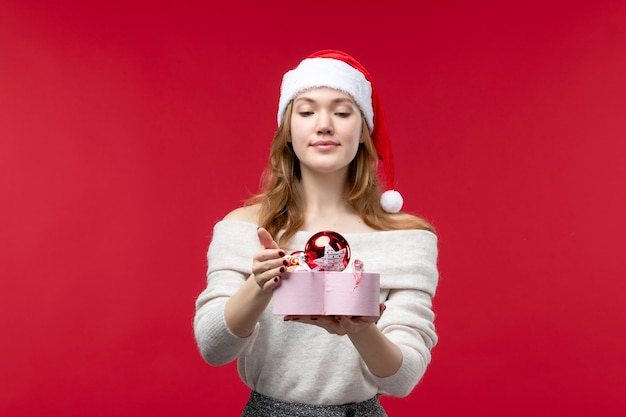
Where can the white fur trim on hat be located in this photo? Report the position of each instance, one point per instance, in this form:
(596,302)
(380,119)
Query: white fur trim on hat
(327,72)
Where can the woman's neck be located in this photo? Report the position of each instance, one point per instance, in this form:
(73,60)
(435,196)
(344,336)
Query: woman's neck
(325,206)
(324,194)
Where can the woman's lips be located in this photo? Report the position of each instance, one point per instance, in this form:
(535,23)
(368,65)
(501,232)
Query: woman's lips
(324,145)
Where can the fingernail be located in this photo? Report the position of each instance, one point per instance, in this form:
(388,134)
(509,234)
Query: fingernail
(281,253)
(282,269)
(275,279)
(285,263)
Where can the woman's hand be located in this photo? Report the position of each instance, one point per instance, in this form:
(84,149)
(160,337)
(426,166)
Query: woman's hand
(339,325)
(268,263)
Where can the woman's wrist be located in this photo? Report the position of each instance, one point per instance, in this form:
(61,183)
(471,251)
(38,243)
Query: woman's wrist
(364,333)
(382,356)
(244,309)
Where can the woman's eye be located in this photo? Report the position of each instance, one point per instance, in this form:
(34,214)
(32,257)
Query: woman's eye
(305,113)
(343,115)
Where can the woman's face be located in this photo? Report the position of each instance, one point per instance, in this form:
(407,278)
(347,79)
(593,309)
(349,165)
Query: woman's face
(325,130)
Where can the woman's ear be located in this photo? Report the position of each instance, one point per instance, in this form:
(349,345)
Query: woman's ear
(363,127)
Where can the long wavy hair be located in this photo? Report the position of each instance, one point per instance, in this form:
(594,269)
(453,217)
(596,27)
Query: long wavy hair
(281,198)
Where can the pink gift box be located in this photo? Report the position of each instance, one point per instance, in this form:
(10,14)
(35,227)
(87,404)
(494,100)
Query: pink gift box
(327,293)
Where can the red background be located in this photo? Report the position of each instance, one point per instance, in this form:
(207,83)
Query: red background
(127,129)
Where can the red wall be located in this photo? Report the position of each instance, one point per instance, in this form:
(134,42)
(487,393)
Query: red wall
(128,128)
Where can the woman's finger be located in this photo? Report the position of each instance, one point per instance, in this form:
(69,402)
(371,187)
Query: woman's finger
(266,239)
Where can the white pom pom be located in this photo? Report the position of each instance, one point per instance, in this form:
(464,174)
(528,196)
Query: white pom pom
(391,200)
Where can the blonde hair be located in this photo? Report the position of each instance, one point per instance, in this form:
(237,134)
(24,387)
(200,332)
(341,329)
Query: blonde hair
(281,200)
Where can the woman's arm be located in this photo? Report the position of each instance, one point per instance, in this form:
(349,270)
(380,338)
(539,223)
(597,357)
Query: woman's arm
(382,357)
(222,336)
(244,309)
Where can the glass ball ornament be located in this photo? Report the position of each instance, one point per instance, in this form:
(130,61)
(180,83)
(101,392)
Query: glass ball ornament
(327,251)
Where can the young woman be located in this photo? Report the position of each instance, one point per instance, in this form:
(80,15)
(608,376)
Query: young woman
(322,175)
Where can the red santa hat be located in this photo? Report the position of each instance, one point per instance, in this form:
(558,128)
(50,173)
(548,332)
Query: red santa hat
(340,71)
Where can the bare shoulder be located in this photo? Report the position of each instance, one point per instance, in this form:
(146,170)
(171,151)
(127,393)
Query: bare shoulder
(248,214)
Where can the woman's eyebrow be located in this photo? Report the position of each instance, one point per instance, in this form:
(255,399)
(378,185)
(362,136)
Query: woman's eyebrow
(307,99)
(344,100)
(334,101)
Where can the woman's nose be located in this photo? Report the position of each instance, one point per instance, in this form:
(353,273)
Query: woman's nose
(324,123)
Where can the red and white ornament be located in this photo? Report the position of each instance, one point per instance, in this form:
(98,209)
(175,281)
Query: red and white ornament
(327,251)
